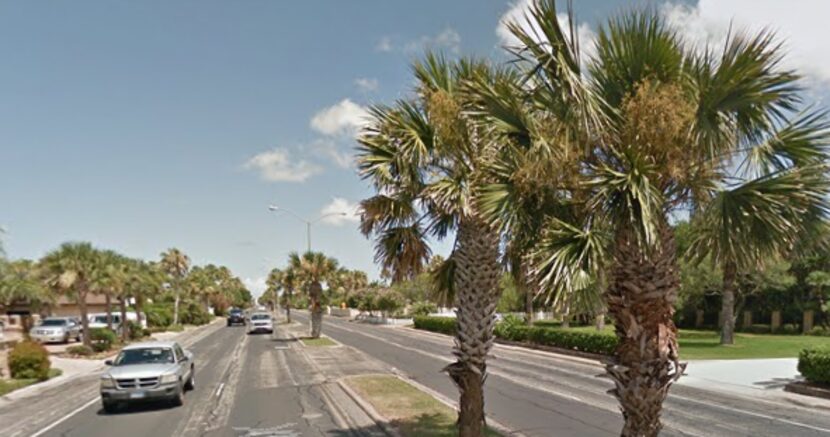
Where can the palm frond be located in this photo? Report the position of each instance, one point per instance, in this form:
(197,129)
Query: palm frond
(402,251)
(803,141)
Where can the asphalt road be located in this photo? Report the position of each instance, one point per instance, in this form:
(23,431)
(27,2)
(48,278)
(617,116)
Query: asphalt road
(246,385)
(541,394)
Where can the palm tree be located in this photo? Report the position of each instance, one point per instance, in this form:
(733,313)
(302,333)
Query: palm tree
(108,279)
(425,158)
(176,264)
(274,284)
(312,269)
(654,128)
(288,285)
(20,283)
(70,269)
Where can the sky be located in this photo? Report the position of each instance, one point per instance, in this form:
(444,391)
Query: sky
(141,126)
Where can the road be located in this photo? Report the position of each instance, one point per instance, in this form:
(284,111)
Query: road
(542,394)
(245,386)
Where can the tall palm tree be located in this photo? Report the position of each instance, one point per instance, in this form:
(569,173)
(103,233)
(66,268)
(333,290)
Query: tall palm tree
(69,269)
(176,264)
(274,285)
(21,283)
(425,158)
(312,269)
(288,285)
(108,279)
(647,128)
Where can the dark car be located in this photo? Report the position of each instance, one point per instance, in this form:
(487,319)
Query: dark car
(236,317)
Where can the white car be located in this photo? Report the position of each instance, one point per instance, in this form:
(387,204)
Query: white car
(260,322)
(99,320)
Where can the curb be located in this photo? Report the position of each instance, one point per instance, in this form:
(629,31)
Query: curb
(370,411)
(808,389)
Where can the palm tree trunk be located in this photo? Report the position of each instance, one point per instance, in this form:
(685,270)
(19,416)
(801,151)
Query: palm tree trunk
(641,299)
(138,298)
(176,307)
(727,333)
(476,279)
(315,292)
(81,295)
(524,286)
(288,306)
(125,325)
(108,300)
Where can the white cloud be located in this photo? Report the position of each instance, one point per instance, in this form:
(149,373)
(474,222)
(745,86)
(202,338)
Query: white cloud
(277,165)
(801,28)
(384,45)
(337,208)
(516,14)
(366,83)
(343,118)
(333,150)
(448,39)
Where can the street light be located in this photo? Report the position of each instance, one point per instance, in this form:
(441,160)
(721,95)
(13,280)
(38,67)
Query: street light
(308,223)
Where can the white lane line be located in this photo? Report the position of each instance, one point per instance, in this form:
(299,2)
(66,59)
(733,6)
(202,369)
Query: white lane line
(64,418)
(219,390)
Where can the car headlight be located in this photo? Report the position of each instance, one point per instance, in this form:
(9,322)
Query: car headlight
(107,382)
(167,379)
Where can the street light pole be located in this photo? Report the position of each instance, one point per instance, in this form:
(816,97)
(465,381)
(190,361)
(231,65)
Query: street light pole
(308,223)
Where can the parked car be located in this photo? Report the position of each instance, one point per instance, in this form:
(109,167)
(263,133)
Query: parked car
(148,371)
(99,320)
(236,317)
(56,330)
(260,322)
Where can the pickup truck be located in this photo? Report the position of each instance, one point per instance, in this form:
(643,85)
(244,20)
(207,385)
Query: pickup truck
(148,371)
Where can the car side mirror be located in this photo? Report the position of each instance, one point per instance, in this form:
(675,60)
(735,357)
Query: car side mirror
(108,362)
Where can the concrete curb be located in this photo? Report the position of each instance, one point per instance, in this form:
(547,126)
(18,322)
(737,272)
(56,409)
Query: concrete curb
(370,411)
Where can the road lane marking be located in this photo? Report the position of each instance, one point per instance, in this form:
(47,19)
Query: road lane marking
(64,418)
(219,390)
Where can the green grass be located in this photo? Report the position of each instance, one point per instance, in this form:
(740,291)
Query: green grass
(9,385)
(412,412)
(322,341)
(705,345)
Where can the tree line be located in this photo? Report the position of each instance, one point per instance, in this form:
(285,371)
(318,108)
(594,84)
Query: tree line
(77,270)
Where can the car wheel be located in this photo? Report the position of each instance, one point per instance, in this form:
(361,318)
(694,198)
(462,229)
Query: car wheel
(109,407)
(178,398)
(191,382)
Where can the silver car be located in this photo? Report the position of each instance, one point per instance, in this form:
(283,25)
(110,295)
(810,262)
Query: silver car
(56,330)
(159,370)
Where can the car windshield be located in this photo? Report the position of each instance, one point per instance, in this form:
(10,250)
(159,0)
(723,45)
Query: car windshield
(53,322)
(150,355)
(260,317)
(236,312)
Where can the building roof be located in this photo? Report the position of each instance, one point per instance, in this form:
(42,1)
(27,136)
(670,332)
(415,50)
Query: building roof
(91,299)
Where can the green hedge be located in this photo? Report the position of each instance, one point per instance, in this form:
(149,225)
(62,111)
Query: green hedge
(102,339)
(515,330)
(814,364)
(29,360)
(444,325)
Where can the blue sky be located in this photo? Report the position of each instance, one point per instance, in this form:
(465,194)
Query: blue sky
(146,125)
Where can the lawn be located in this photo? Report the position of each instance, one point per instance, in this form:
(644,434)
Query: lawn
(705,345)
(9,385)
(322,341)
(409,410)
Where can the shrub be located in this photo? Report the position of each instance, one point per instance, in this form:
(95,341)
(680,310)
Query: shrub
(513,328)
(80,350)
(29,360)
(788,329)
(175,328)
(422,308)
(819,331)
(758,329)
(193,313)
(389,301)
(136,332)
(443,325)
(159,315)
(102,339)
(814,364)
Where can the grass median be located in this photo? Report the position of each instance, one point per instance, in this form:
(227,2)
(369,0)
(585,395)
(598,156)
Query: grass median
(317,342)
(409,410)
